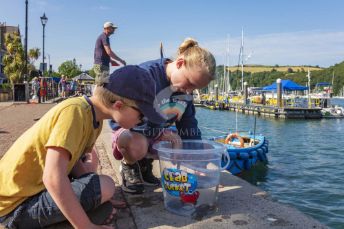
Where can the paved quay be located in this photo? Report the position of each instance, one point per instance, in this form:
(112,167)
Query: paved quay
(240,204)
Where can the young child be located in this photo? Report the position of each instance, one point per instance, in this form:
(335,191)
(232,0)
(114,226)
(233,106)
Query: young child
(35,190)
(193,68)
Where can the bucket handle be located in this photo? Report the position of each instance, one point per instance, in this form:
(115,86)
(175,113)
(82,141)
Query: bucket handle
(226,155)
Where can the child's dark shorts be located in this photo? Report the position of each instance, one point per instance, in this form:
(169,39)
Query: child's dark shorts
(40,210)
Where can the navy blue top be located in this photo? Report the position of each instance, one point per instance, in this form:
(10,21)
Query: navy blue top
(100,55)
(174,104)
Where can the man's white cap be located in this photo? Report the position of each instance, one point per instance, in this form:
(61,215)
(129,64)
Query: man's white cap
(109,24)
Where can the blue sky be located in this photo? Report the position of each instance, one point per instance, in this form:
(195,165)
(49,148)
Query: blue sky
(284,32)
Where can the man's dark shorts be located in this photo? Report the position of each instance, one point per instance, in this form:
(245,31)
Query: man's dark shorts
(40,210)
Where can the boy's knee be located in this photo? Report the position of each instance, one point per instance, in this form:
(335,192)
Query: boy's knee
(107,187)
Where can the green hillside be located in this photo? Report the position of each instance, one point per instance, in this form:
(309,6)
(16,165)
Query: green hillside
(259,75)
(263,68)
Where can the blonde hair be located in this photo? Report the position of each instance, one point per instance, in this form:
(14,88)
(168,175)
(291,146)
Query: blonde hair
(107,97)
(194,55)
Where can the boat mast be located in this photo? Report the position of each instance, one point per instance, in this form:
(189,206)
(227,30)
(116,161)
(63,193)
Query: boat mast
(332,82)
(309,88)
(224,69)
(227,63)
(242,59)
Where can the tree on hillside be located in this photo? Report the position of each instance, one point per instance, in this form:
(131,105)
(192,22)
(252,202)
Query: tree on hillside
(69,68)
(290,70)
(264,78)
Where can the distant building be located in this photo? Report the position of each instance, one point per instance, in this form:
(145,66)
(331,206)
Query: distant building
(4,29)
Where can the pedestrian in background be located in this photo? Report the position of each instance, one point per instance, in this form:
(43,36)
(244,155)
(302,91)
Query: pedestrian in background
(43,89)
(74,87)
(35,88)
(103,54)
(63,86)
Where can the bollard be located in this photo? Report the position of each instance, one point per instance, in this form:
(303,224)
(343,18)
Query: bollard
(279,92)
(245,93)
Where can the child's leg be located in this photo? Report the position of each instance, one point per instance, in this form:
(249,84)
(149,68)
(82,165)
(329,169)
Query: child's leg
(136,149)
(129,146)
(87,164)
(40,210)
(107,187)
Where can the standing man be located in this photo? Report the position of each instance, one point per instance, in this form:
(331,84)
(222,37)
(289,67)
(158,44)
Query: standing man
(103,54)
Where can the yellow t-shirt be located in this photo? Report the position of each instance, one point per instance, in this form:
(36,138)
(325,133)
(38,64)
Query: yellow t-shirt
(68,125)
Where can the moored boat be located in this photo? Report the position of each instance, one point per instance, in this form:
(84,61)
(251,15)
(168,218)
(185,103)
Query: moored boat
(333,112)
(245,151)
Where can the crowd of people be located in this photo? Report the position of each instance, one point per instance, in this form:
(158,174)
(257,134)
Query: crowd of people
(58,151)
(71,88)
(46,88)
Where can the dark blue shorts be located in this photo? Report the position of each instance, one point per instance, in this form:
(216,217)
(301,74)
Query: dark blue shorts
(40,210)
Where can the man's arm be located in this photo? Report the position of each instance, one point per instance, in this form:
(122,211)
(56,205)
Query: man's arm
(55,179)
(112,55)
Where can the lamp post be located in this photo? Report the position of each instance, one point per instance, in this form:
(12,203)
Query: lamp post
(49,72)
(26,29)
(44,21)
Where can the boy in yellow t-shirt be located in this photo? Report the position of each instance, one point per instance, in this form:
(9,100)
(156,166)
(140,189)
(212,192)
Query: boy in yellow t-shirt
(35,185)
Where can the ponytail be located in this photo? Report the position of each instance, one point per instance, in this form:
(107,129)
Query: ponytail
(196,56)
(188,43)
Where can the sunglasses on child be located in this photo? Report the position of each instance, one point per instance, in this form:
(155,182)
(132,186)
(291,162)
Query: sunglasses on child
(138,110)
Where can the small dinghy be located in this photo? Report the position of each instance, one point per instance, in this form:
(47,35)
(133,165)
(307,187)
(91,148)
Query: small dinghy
(244,150)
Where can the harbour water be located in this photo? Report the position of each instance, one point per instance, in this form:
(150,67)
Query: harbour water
(306,160)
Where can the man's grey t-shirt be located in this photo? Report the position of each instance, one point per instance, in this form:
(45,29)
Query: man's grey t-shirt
(100,55)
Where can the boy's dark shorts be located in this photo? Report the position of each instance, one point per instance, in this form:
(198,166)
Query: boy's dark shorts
(40,210)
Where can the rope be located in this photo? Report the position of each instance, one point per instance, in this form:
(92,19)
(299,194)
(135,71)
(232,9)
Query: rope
(214,130)
(223,132)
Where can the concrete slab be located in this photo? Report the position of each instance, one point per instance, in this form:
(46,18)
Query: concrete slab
(240,205)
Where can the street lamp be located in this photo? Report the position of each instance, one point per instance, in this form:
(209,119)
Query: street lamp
(26,28)
(44,21)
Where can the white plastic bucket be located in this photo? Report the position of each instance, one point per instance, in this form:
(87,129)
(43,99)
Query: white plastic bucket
(190,175)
